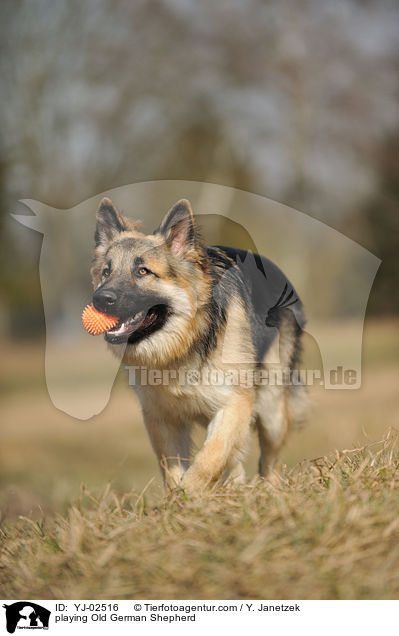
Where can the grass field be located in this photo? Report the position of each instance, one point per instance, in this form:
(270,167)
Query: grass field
(84,514)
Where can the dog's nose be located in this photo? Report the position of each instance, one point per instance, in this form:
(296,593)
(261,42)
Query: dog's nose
(103,299)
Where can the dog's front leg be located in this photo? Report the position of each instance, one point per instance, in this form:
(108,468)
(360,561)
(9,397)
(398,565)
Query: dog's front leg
(225,443)
(171,443)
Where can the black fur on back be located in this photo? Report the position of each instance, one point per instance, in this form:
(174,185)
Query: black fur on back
(263,288)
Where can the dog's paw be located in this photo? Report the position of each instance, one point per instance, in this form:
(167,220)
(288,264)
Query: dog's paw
(192,484)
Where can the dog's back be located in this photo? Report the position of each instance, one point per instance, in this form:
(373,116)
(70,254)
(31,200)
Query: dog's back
(270,297)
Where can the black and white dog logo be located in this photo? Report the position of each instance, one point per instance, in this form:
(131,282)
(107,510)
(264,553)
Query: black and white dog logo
(26,615)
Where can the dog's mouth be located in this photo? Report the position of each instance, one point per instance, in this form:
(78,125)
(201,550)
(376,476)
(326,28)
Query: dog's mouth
(138,326)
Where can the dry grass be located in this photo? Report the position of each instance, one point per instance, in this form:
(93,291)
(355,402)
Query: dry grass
(327,528)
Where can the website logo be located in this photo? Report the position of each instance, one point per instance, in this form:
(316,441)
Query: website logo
(26,615)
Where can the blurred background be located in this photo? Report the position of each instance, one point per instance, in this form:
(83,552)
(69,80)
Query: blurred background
(293,101)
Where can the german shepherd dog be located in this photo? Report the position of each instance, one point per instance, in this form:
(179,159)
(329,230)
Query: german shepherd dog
(215,312)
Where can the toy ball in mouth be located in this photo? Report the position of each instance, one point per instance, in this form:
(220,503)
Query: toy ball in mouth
(95,322)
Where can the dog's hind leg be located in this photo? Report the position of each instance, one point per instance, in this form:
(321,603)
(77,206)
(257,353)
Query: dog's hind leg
(279,404)
(171,443)
(272,426)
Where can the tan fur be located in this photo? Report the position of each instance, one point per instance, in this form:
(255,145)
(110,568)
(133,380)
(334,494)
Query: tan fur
(170,410)
(275,405)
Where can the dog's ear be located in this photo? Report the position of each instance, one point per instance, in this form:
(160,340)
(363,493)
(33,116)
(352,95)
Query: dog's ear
(179,228)
(109,223)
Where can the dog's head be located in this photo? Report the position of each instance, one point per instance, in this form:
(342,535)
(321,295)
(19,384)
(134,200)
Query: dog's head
(155,284)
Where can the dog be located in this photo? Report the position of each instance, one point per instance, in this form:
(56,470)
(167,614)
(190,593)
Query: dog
(213,312)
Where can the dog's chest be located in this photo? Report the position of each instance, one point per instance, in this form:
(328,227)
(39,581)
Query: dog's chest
(190,393)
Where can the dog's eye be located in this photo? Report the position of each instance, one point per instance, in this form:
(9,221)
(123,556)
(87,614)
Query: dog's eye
(106,272)
(142,271)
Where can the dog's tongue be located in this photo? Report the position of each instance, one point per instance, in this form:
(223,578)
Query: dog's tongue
(128,326)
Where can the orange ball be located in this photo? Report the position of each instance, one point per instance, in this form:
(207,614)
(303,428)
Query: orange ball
(96,322)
